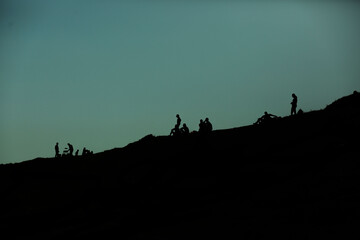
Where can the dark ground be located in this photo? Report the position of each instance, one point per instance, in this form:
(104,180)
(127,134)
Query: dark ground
(292,178)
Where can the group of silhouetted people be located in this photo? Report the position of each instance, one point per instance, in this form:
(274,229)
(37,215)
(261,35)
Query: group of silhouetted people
(204,127)
(68,151)
(268,117)
(176,131)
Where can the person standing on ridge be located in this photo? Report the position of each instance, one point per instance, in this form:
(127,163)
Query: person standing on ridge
(57,150)
(208,125)
(201,126)
(178,120)
(293,104)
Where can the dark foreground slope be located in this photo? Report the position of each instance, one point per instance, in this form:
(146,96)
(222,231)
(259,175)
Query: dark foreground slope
(293,178)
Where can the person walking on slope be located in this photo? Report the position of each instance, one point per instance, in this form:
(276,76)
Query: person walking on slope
(293,104)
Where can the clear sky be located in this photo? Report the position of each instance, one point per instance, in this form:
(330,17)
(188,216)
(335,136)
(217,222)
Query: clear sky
(101,74)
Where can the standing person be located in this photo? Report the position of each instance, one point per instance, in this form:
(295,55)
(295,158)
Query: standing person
(178,120)
(208,125)
(293,104)
(201,126)
(57,150)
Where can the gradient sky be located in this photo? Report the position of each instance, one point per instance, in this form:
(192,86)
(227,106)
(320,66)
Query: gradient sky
(102,74)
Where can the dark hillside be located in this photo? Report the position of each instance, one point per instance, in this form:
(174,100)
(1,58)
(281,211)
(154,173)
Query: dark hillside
(292,178)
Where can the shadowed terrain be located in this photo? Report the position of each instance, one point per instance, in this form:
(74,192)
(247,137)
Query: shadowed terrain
(292,178)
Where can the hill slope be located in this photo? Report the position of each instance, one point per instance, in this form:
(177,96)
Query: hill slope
(293,178)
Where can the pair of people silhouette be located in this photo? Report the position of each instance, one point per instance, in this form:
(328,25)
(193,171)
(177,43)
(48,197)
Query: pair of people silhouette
(205,126)
(268,117)
(176,131)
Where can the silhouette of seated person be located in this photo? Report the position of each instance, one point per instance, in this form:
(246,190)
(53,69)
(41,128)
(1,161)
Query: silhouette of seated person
(184,130)
(71,149)
(176,130)
(267,117)
(86,152)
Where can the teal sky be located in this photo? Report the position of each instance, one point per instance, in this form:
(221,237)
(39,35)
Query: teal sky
(102,74)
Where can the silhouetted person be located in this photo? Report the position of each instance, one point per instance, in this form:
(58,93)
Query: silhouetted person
(201,126)
(57,154)
(293,104)
(178,120)
(77,153)
(184,130)
(207,125)
(71,149)
(265,118)
(175,131)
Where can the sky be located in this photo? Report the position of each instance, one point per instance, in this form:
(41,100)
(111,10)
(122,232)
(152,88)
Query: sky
(102,74)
